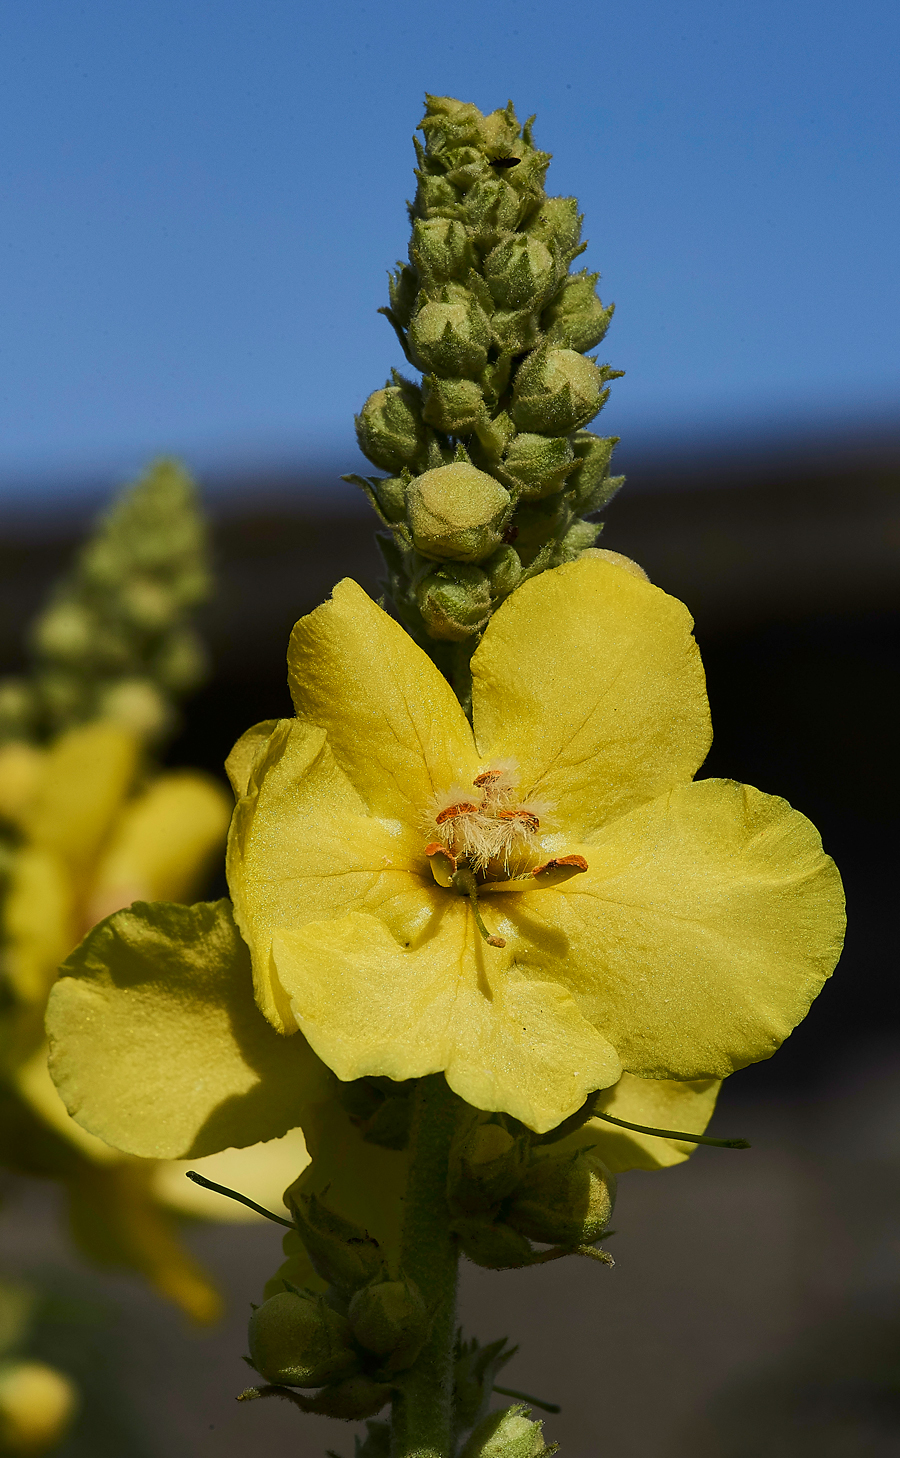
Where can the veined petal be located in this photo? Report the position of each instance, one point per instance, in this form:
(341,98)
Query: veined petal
(157,1046)
(303,847)
(163,844)
(394,724)
(588,677)
(505,1037)
(705,925)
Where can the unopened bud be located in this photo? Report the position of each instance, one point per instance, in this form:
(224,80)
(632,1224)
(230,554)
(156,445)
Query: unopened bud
(149,604)
(580,536)
(504,570)
(538,464)
(436,197)
(591,481)
(576,319)
(564,1199)
(454,406)
(455,601)
(342,1253)
(487,1162)
(516,330)
(37,1404)
(389,427)
(441,250)
(506,1434)
(457,512)
(557,391)
(65,631)
(138,704)
(299,1340)
(403,286)
(557,220)
(450,335)
(180,662)
(492,209)
(520,271)
(389,1319)
(497,1247)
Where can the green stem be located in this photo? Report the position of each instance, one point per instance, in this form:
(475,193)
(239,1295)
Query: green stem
(422,1418)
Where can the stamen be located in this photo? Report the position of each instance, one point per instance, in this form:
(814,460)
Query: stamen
(465,884)
(562,868)
(456,812)
(524,818)
(442,862)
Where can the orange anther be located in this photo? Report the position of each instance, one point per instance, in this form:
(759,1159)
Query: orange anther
(487,777)
(561,868)
(525,817)
(454,812)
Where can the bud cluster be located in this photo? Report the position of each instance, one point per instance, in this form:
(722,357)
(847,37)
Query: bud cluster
(492,473)
(115,641)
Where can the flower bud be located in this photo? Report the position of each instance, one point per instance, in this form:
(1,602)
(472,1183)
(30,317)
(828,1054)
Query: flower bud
(580,536)
(520,271)
(457,512)
(497,1247)
(515,330)
(180,662)
(18,709)
(389,1319)
(388,496)
(591,481)
(556,391)
(65,631)
(389,427)
(37,1404)
(436,197)
(137,703)
(506,1434)
(299,1340)
(454,406)
(450,335)
(486,1162)
(504,570)
(403,286)
(576,319)
(558,220)
(492,208)
(564,1199)
(455,601)
(537,522)
(441,250)
(538,464)
(342,1253)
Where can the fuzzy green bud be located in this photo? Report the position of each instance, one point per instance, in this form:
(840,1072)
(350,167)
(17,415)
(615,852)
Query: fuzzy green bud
(504,570)
(520,272)
(580,536)
(389,1319)
(299,1340)
(576,318)
(537,465)
(564,1199)
(515,330)
(457,512)
(557,391)
(497,1247)
(454,406)
(137,703)
(506,1434)
(389,427)
(436,197)
(441,250)
(591,481)
(492,208)
(558,221)
(450,334)
(455,601)
(342,1253)
(403,287)
(487,1162)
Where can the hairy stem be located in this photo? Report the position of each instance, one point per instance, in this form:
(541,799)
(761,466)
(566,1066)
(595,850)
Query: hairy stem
(422,1419)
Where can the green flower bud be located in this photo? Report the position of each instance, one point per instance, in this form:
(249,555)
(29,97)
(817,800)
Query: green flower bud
(65,631)
(441,250)
(436,197)
(342,1253)
(389,1319)
(520,272)
(487,1162)
(496,1247)
(557,391)
(454,406)
(504,570)
(149,605)
(138,703)
(506,1434)
(492,208)
(403,286)
(450,335)
(576,319)
(564,1199)
(559,221)
(580,536)
(298,1340)
(37,1405)
(537,465)
(536,523)
(455,601)
(180,662)
(515,330)
(389,427)
(457,512)
(591,482)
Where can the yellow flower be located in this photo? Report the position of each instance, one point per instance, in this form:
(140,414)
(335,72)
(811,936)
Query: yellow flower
(540,901)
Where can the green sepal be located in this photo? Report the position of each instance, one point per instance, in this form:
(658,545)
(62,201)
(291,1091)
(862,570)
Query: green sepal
(475,1371)
(507,1434)
(353,1400)
(343,1254)
(497,1247)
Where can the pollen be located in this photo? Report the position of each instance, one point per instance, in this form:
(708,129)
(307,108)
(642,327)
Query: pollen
(486,834)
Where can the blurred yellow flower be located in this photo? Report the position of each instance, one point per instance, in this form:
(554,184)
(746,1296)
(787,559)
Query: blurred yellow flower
(538,902)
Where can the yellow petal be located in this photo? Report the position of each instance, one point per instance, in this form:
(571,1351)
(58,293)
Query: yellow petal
(36,1087)
(163,844)
(21,771)
(38,922)
(661,1103)
(506,1037)
(87,774)
(240,761)
(303,848)
(589,679)
(704,927)
(394,724)
(262,1172)
(157,1046)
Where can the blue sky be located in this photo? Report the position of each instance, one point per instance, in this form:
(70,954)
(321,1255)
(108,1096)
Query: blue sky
(203,200)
